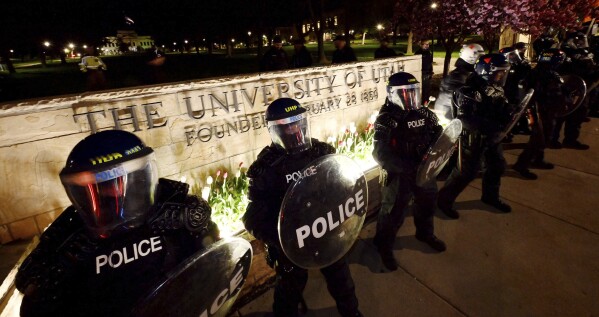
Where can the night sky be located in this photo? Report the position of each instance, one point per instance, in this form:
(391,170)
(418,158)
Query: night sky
(27,23)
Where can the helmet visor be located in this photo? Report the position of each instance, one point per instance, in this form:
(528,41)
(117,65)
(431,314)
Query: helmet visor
(292,134)
(498,75)
(406,97)
(116,197)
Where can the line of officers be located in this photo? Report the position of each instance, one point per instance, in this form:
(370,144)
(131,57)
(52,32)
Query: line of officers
(475,92)
(121,203)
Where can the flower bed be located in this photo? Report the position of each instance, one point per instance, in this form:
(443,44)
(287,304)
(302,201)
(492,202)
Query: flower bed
(227,195)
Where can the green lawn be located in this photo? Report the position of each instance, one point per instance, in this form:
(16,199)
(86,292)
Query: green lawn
(34,81)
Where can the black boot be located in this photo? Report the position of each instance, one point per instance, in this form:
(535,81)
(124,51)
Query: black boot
(446,207)
(524,172)
(542,165)
(433,242)
(575,145)
(498,204)
(386,254)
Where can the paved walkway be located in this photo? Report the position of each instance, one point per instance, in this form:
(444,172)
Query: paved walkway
(542,259)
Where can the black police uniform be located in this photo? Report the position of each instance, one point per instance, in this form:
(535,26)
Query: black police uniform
(454,80)
(484,112)
(547,99)
(301,58)
(71,273)
(268,185)
(344,55)
(582,65)
(274,59)
(401,140)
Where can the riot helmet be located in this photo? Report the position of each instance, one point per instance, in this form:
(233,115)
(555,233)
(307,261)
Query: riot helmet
(470,53)
(577,40)
(511,54)
(403,90)
(288,125)
(111,178)
(551,58)
(521,48)
(493,68)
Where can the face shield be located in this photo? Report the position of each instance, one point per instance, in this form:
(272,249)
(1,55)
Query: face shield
(513,57)
(406,97)
(582,42)
(114,198)
(498,75)
(292,134)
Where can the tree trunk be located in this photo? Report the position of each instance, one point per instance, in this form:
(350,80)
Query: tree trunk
(322,58)
(409,49)
(449,44)
(319,31)
(43,59)
(229,48)
(447,61)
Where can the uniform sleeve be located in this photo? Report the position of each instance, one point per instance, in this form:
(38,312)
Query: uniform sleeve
(261,216)
(383,152)
(48,276)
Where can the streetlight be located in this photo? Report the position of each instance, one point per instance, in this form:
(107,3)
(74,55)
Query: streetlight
(185,41)
(379,27)
(434,6)
(249,33)
(47,44)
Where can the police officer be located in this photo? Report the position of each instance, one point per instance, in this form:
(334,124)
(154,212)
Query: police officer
(427,68)
(545,41)
(546,101)
(125,230)
(291,150)
(404,130)
(484,111)
(464,66)
(579,63)
(301,56)
(343,53)
(519,69)
(275,57)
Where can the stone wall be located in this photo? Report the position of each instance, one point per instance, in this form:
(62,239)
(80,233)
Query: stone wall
(194,127)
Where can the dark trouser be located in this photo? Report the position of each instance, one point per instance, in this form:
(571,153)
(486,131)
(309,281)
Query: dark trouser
(291,281)
(426,86)
(474,153)
(395,199)
(571,123)
(544,124)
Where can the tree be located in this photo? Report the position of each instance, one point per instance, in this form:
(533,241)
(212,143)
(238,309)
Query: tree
(318,24)
(410,12)
(492,17)
(451,20)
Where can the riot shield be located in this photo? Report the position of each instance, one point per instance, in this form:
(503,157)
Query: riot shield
(515,116)
(439,153)
(575,89)
(205,285)
(323,212)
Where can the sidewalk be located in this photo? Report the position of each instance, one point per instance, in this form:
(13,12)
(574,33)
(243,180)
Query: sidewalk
(542,259)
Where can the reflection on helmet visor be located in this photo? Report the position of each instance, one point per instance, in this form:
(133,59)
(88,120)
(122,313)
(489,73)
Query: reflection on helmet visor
(499,76)
(291,136)
(113,197)
(407,97)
